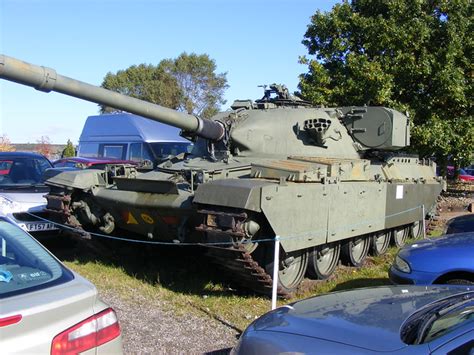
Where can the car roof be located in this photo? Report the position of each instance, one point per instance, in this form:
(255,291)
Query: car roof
(21,155)
(127,127)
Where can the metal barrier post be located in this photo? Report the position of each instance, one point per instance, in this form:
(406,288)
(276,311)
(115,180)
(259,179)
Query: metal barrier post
(276,267)
(423,219)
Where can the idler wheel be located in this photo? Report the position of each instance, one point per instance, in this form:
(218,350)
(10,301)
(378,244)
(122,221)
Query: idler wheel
(380,241)
(355,250)
(323,260)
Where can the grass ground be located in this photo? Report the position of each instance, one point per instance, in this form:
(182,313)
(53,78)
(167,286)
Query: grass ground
(183,278)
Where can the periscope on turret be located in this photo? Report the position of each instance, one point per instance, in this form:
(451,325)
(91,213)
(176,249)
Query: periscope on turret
(331,183)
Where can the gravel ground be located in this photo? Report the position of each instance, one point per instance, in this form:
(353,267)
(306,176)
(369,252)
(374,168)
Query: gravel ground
(150,328)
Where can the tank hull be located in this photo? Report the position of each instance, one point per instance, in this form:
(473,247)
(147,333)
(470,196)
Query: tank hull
(341,207)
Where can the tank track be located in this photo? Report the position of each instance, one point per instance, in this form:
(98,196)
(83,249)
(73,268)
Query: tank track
(243,269)
(59,209)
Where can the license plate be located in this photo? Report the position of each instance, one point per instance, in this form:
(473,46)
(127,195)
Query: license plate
(36,227)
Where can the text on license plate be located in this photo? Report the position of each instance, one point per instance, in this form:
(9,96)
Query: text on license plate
(35,227)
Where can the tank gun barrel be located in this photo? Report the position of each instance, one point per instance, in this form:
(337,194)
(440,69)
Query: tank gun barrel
(46,79)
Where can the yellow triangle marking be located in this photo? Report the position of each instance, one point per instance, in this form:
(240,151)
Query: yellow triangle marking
(131,219)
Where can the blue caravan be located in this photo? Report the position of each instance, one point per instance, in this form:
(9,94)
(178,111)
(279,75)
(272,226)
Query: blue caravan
(129,137)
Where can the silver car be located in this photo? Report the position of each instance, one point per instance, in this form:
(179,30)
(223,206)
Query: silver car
(22,190)
(46,308)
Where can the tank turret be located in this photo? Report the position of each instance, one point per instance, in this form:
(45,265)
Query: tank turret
(329,182)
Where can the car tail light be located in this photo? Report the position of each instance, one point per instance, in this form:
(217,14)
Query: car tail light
(90,333)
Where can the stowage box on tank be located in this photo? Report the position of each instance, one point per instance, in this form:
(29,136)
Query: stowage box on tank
(328,181)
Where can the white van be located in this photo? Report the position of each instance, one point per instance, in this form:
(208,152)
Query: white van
(129,137)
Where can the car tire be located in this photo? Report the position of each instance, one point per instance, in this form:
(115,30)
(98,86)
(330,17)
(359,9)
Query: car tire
(459,282)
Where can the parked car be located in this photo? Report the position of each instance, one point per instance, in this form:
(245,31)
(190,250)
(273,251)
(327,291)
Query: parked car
(469,169)
(22,189)
(45,307)
(463,175)
(448,259)
(396,319)
(88,163)
(460,224)
(445,260)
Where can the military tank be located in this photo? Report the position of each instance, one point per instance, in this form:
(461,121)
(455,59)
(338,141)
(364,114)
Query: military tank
(328,182)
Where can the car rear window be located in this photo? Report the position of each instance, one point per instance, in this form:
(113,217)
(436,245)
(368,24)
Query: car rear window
(25,265)
(25,170)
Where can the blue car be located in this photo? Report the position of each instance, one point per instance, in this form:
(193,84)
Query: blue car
(445,260)
(380,320)
(460,224)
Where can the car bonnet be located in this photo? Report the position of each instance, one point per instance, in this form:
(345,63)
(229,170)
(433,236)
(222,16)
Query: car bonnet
(368,318)
(450,246)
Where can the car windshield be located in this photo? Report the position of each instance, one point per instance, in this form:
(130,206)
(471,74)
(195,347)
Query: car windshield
(24,264)
(438,318)
(22,171)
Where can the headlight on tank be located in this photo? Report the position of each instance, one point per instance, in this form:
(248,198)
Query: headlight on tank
(8,206)
(401,265)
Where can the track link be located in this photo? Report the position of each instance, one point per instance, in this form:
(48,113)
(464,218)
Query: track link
(243,269)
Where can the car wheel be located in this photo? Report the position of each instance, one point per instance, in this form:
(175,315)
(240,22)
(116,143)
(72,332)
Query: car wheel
(460,282)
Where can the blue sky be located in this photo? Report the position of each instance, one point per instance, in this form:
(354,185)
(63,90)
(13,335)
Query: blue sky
(255,42)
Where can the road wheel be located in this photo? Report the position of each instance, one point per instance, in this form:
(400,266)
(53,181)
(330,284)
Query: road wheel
(355,250)
(323,260)
(416,230)
(399,236)
(380,242)
(292,269)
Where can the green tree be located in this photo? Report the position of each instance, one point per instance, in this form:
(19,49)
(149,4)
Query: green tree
(69,151)
(146,82)
(413,55)
(188,83)
(202,88)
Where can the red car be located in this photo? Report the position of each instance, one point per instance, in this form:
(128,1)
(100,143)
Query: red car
(5,166)
(88,163)
(463,175)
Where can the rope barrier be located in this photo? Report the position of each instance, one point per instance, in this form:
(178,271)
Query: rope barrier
(276,268)
(264,240)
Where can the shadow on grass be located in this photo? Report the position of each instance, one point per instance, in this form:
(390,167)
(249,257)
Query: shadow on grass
(362,282)
(183,269)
